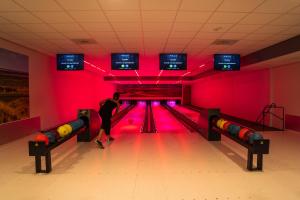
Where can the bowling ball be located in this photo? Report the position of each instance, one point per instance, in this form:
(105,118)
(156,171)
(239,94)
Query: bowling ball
(40,137)
(230,128)
(226,126)
(248,135)
(219,122)
(222,124)
(51,136)
(130,121)
(76,125)
(62,131)
(255,136)
(235,130)
(69,128)
(242,133)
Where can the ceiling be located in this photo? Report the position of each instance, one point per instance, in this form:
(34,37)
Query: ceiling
(149,27)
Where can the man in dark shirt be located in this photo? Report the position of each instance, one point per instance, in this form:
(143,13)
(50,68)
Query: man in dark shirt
(106,108)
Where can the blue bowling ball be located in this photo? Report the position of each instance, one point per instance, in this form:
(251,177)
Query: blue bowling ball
(51,136)
(255,136)
(234,131)
(76,125)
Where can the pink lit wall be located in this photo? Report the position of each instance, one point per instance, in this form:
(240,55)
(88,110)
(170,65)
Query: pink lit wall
(286,92)
(242,94)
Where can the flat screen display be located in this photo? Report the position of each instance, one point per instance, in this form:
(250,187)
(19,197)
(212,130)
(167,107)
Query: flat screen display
(173,61)
(124,61)
(227,62)
(70,62)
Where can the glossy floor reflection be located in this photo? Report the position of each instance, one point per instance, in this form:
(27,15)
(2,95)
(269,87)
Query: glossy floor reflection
(171,164)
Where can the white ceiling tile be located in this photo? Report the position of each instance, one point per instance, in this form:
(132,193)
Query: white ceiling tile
(208,35)
(239,6)
(3,21)
(259,18)
(20,17)
(158,16)
(77,35)
(216,28)
(132,26)
(295,10)
(102,34)
(49,36)
(183,34)
(192,16)
(88,16)
(93,26)
(200,5)
(181,41)
(277,6)
(8,5)
(271,29)
(292,31)
(243,28)
(54,17)
(43,5)
(160,5)
(119,4)
(155,34)
(151,26)
(233,36)
(130,34)
(287,19)
(123,16)
(224,17)
(24,36)
(37,28)
(258,36)
(79,5)
(67,27)
(186,26)
(11,28)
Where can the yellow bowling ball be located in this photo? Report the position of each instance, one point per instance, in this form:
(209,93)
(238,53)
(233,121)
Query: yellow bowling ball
(69,128)
(219,122)
(62,131)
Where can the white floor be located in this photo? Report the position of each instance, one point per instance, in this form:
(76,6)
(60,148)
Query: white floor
(173,164)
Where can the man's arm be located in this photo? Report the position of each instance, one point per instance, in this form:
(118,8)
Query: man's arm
(117,109)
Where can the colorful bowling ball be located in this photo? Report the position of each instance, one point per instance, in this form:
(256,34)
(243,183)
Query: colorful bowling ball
(229,129)
(62,131)
(235,130)
(219,122)
(51,136)
(76,125)
(222,124)
(255,136)
(248,135)
(41,138)
(69,128)
(242,133)
(226,126)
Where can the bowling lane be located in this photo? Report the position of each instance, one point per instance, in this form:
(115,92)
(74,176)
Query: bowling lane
(165,121)
(193,115)
(132,122)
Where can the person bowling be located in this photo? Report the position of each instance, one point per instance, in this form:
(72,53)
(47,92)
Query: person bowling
(106,109)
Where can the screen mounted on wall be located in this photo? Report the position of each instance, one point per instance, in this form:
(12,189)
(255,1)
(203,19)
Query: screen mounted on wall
(227,62)
(124,61)
(173,61)
(70,62)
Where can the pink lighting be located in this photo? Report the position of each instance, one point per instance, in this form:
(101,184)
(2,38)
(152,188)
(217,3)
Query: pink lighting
(155,103)
(185,73)
(161,71)
(137,74)
(94,66)
(171,103)
(201,65)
